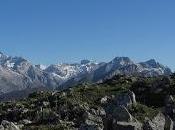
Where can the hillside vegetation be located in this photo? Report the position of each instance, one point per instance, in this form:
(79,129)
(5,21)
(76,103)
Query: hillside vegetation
(119,103)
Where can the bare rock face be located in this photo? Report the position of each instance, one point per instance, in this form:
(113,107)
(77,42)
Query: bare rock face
(127,126)
(121,119)
(170,106)
(121,114)
(118,116)
(169,125)
(5,125)
(125,99)
(158,123)
(1,127)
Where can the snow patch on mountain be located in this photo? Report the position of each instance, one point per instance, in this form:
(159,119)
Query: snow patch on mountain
(10,64)
(41,66)
(68,71)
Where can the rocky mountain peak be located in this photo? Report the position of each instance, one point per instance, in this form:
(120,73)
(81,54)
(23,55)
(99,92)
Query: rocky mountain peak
(122,60)
(152,63)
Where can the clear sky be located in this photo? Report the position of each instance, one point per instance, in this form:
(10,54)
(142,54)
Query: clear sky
(52,31)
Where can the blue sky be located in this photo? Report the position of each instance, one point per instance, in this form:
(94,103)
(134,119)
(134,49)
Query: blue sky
(52,31)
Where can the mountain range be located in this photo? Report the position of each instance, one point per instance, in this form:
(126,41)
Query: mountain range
(18,74)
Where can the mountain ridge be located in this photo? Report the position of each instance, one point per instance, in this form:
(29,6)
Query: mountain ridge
(17,73)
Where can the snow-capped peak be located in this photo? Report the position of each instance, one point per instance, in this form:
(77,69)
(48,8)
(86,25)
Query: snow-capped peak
(67,71)
(122,60)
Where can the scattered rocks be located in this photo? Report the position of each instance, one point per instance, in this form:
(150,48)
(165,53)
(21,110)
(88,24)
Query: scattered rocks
(73,110)
(91,121)
(158,123)
(6,125)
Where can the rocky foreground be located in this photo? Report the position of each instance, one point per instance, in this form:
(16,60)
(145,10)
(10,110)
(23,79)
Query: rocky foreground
(120,103)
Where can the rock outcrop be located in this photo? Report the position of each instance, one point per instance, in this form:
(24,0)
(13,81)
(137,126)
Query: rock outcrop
(125,99)
(127,126)
(158,123)
(6,125)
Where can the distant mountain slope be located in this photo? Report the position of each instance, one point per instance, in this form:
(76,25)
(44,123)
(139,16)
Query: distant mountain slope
(17,73)
(123,65)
